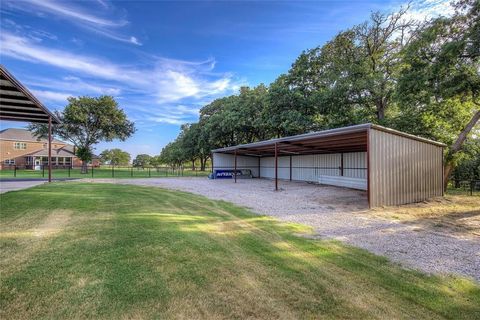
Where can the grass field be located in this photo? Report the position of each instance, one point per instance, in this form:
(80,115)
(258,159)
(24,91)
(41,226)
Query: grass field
(71,250)
(103,172)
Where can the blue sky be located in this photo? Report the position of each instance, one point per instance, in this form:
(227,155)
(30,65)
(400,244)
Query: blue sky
(163,61)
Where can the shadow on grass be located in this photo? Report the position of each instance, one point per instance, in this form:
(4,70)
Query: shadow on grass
(156,249)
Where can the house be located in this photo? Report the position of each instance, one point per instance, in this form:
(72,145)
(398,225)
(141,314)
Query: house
(20,148)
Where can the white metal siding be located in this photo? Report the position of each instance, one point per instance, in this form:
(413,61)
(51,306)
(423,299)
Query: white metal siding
(403,170)
(311,167)
(227,161)
(355,165)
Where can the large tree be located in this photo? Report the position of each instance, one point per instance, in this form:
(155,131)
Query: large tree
(173,155)
(439,87)
(351,79)
(115,157)
(86,121)
(142,160)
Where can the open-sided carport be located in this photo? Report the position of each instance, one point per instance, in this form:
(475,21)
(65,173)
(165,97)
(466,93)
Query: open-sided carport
(393,167)
(17,103)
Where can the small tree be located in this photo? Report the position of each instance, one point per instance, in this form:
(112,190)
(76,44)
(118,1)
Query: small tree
(115,157)
(142,160)
(86,121)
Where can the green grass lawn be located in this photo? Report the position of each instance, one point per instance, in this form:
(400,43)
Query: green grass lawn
(71,250)
(104,172)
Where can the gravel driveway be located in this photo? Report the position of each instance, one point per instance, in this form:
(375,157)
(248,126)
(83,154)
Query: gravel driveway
(6,186)
(341,214)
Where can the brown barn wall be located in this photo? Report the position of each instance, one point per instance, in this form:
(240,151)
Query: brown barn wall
(403,170)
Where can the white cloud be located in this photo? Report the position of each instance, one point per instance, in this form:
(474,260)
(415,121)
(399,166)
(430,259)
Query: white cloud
(45,95)
(74,85)
(170,80)
(99,20)
(61,9)
(427,9)
(164,89)
(22,48)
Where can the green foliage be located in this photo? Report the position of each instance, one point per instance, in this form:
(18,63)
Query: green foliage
(468,163)
(142,160)
(112,251)
(86,121)
(418,77)
(115,157)
(172,154)
(84,154)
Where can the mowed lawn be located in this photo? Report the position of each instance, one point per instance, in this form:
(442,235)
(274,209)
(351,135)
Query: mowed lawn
(72,250)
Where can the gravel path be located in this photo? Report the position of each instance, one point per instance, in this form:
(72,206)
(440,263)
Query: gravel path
(341,214)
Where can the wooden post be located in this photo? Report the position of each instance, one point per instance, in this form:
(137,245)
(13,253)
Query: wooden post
(49,149)
(276,166)
(235,168)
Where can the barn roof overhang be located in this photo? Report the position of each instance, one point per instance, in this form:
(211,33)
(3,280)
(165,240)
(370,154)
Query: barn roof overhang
(340,140)
(17,103)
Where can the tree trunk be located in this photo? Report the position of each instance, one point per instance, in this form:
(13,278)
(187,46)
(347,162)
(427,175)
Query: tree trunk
(193,164)
(456,146)
(203,162)
(380,110)
(84,167)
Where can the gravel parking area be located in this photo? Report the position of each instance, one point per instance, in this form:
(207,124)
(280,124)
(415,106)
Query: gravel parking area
(341,214)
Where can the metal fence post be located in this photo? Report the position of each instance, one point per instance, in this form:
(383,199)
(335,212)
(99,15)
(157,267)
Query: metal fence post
(113,171)
(43,171)
(471,187)
(15,170)
(149,174)
(92,170)
(69,171)
(131,172)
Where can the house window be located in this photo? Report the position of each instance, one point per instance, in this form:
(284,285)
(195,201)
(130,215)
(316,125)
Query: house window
(20,145)
(9,162)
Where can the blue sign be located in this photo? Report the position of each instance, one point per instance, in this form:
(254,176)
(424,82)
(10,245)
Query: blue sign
(226,174)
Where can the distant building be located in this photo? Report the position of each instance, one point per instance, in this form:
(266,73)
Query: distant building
(20,148)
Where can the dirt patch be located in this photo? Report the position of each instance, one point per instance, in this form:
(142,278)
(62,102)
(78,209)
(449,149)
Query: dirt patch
(21,240)
(454,215)
(54,223)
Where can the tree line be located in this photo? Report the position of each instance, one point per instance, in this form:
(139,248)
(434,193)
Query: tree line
(421,77)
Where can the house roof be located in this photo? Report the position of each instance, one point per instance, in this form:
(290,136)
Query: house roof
(346,139)
(17,103)
(15,134)
(59,152)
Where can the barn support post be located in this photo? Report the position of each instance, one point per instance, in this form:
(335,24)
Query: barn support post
(49,149)
(276,166)
(368,168)
(259,161)
(235,169)
(341,164)
(290,168)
